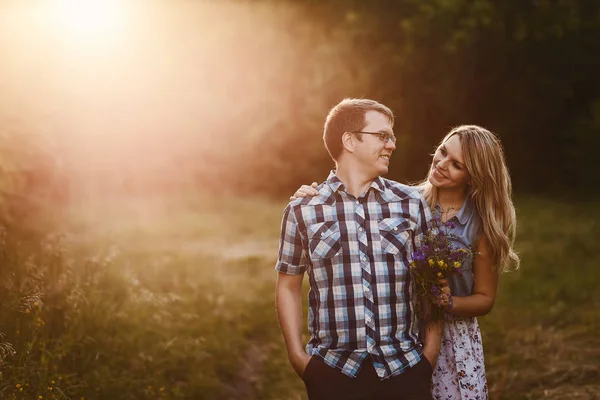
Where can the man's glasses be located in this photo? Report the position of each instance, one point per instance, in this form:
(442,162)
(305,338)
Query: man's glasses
(383,136)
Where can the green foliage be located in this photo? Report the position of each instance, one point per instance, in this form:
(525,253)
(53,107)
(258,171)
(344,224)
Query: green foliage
(180,305)
(119,326)
(540,340)
(242,104)
(174,299)
(525,70)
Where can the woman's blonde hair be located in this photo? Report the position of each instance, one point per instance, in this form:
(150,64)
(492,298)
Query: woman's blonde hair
(490,190)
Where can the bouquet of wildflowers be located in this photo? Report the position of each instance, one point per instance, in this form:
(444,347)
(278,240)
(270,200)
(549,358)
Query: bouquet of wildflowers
(435,259)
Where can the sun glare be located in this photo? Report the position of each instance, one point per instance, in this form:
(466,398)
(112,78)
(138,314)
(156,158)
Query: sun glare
(150,91)
(88,19)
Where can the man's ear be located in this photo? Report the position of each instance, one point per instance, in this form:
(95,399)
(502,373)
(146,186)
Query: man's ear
(348,142)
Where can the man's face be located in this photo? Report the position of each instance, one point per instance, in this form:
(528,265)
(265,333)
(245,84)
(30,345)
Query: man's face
(373,153)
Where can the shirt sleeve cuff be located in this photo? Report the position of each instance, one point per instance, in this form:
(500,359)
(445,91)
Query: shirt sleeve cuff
(290,269)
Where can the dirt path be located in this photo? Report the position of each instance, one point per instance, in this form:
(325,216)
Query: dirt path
(249,374)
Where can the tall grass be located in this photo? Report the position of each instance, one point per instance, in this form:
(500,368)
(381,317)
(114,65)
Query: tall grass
(133,306)
(163,299)
(540,341)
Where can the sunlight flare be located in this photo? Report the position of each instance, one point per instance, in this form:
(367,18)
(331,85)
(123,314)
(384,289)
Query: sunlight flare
(85,19)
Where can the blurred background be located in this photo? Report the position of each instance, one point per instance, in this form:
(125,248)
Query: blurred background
(148,148)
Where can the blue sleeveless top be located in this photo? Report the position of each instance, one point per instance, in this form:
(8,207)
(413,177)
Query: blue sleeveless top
(467,228)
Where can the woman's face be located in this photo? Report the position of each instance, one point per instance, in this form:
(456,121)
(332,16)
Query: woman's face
(449,171)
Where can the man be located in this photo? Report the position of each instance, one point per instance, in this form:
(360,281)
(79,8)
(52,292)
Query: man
(353,241)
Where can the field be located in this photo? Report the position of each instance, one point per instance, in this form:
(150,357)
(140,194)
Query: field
(155,299)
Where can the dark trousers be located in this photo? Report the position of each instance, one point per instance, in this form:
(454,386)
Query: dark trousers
(326,383)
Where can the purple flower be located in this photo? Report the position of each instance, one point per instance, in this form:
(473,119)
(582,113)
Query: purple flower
(450,225)
(418,255)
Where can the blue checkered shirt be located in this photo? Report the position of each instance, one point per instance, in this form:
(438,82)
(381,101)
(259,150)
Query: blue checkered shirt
(355,252)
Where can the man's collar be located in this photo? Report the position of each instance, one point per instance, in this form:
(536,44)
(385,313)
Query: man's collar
(335,184)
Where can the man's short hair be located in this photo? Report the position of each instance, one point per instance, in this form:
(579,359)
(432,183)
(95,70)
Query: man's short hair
(349,116)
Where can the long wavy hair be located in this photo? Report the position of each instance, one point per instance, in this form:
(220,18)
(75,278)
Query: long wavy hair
(490,191)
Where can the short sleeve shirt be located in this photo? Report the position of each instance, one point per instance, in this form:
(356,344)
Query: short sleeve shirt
(355,252)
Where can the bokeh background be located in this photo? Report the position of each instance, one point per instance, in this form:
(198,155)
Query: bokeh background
(148,148)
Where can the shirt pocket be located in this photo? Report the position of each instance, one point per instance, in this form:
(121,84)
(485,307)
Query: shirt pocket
(324,240)
(395,235)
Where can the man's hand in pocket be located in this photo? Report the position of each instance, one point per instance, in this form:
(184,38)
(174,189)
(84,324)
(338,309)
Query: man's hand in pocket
(299,363)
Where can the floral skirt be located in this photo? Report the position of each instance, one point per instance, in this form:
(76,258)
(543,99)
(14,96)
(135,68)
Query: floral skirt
(460,372)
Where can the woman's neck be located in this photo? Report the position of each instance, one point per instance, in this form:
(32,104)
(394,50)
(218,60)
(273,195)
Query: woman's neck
(451,199)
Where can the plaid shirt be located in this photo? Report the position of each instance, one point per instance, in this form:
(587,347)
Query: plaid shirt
(356,254)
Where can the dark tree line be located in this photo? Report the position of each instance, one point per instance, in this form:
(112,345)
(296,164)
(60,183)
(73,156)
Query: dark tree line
(527,70)
(243,109)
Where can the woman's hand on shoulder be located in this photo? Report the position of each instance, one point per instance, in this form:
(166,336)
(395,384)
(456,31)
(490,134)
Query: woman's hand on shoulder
(305,190)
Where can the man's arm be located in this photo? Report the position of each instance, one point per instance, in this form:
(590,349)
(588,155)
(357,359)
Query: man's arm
(288,301)
(432,336)
(291,265)
(432,331)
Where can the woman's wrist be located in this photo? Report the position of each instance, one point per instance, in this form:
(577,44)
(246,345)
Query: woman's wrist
(449,304)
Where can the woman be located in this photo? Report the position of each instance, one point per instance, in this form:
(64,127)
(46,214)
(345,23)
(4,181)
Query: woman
(468,184)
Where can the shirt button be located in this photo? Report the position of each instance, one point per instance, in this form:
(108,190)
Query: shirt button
(367,290)
(360,229)
(357,202)
(364,258)
(395,228)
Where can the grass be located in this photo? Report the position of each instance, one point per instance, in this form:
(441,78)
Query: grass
(540,340)
(163,299)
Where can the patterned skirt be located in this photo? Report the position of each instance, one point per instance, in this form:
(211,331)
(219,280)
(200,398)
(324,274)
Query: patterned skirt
(460,372)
